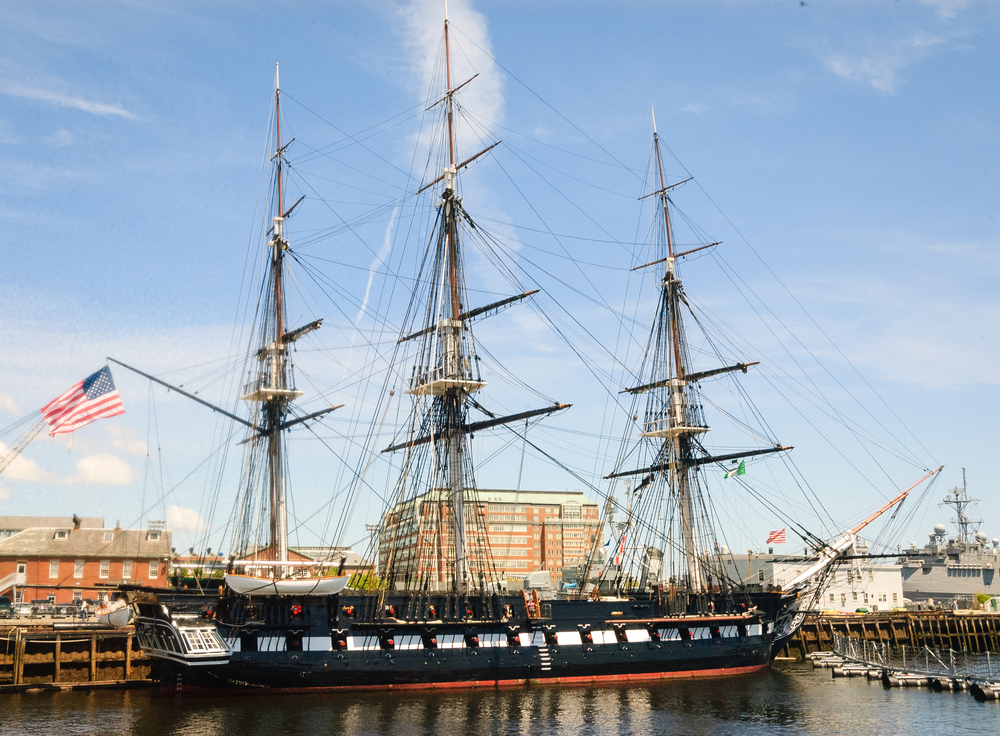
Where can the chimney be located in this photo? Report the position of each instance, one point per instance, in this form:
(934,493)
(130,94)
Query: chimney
(76,521)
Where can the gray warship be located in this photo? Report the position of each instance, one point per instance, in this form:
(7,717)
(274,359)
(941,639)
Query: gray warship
(956,568)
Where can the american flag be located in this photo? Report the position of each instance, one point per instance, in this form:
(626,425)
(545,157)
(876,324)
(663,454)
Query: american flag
(93,398)
(620,554)
(777,537)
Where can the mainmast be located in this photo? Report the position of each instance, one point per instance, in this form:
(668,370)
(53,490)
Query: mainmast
(445,375)
(454,397)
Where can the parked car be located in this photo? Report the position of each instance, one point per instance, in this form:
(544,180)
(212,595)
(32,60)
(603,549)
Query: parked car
(6,608)
(42,607)
(23,610)
(64,609)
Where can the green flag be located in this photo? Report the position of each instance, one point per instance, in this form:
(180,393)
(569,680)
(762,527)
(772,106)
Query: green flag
(741,470)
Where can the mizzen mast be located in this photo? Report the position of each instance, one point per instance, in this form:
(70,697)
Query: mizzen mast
(272,388)
(678,428)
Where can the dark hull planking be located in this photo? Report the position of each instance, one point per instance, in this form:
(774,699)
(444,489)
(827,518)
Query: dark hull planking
(360,642)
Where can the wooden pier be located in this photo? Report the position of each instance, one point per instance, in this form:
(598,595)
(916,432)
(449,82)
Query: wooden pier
(972,632)
(49,658)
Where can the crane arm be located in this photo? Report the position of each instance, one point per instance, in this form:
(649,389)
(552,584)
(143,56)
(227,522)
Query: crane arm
(11,454)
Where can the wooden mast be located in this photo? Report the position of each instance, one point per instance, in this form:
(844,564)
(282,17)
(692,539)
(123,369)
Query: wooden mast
(677,432)
(454,397)
(276,404)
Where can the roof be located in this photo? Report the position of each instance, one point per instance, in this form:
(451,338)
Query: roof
(529,498)
(53,522)
(333,554)
(125,543)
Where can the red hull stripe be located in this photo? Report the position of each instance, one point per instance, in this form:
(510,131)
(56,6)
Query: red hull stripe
(497,684)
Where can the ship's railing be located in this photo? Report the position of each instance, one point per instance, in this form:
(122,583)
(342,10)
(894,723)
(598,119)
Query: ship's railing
(420,379)
(918,660)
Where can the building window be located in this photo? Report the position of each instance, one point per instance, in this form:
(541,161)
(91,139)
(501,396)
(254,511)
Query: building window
(62,534)
(854,595)
(77,595)
(78,569)
(871,576)
(127,569)
(109,536)
(105,568)
(894,600)
(153,571)
(53,568)
(760,576)
(153,536)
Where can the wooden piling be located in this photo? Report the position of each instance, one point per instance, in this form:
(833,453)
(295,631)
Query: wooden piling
(93,657)
(58,658)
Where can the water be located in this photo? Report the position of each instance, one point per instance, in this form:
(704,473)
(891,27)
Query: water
(790,699)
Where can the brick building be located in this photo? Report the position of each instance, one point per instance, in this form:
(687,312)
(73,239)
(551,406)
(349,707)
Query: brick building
(524,531)
(66,558)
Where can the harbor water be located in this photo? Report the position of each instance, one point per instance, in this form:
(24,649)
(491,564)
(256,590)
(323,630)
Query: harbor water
(791,698)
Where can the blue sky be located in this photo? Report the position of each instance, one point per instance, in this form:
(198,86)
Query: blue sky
(845,153)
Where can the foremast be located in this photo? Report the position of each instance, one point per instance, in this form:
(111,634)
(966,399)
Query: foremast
(673,419)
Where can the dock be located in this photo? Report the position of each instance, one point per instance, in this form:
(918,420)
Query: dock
(53,656)
(962,631)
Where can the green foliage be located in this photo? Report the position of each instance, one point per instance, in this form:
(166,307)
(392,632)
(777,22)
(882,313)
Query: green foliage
(983,597)
(364,581)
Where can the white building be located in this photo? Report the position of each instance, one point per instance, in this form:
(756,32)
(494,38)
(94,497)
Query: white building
(852,584)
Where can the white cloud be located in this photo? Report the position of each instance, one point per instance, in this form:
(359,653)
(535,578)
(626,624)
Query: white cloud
(60,138)
(695,108)
(471,52)
(14,89)
(101,470)
(881,65)
(185,520)
(126,439)
(947,8)
(35,176)
(7,402)
(22,468)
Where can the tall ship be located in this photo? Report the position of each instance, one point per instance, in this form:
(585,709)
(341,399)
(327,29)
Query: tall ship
(438,610)
(954,568)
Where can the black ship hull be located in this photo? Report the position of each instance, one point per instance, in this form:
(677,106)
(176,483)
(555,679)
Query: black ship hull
(362,642)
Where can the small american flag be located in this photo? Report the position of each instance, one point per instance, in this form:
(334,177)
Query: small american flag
(93,398)
(620,554)
(777,537)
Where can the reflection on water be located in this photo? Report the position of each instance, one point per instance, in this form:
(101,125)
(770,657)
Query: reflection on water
(789,699)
